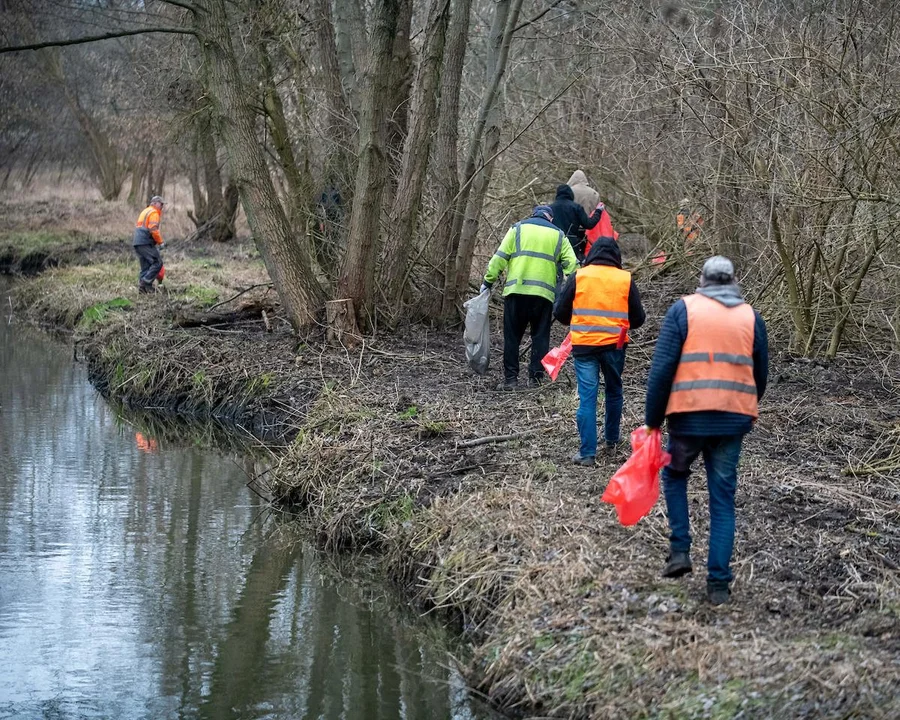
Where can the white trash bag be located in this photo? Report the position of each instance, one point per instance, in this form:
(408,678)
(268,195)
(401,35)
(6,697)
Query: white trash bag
(477,335)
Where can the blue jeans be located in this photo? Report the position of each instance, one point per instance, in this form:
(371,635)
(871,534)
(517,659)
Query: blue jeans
(587,371)
(720,456)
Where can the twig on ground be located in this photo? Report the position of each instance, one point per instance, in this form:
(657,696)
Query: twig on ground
(497,438)
(233,297)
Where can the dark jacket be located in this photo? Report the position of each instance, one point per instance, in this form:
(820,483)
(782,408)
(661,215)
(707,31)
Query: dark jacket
(666,357)
(571,218)
(603,252)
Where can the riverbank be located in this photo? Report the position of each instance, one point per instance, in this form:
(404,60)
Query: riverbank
(385,448)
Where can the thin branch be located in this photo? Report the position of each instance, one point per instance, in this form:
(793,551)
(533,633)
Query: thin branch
(97,38)
(187,6)
(538,16)
(498,438)
(234,297)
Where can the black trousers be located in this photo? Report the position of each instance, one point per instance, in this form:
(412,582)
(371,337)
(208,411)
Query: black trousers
(519,313)
(151,263)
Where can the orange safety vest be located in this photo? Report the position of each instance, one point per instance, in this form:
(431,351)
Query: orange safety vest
(715,371)
(600,308)
(148,222)
(689,224)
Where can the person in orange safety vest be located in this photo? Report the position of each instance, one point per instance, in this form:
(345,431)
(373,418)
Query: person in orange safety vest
(689,222)
(146,242)
(600,303)
(709,371)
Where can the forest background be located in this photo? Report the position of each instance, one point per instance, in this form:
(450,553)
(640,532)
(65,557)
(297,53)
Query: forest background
(377,148)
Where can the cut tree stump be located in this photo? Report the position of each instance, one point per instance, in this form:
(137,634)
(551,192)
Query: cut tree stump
(341,322)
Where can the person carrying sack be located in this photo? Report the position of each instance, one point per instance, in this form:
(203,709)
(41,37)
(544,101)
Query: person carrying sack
(708,374)
(599,303)
(530,253)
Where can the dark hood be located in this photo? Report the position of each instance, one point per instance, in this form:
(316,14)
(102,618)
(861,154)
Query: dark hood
(564,191)
(604,251)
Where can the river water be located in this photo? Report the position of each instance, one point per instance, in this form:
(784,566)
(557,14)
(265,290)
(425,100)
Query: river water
(139,579)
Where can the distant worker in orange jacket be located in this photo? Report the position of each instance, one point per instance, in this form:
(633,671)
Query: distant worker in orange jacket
(147,241)
(689,222)
(600,303)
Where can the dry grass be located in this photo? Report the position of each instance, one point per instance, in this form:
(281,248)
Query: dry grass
(72,205)
(563,606)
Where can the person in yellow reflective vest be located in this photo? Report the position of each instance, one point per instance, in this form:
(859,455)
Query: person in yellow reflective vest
(600,303)
(530,253)
(146,242)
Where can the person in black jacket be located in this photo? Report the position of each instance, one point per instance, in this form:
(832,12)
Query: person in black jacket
(595,349)
(571,218)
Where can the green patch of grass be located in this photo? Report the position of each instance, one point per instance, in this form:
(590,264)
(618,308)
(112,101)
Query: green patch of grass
(578,675)
(27,242)
(544,470)
(433,427)
(260,384)
(410,412)
(100,311)
(716,702)
(205,263)
(392,512)
(201,295)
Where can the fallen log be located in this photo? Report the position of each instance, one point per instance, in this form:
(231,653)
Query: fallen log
(248,311)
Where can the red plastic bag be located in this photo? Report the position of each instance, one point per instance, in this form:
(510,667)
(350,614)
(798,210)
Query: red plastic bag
(634,489)
(603,228)
(162,274)
(554,360)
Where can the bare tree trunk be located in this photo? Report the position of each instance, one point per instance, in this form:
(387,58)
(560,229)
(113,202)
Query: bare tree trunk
(284,258)
(505,19)
(404,213)
(138,173)
(400,84)
(158,183)
(109,169)
(440,255)
(356,281)
(351,38)
(339,131)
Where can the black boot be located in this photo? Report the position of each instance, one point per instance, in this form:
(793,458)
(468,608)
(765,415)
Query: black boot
(677,564)
(718,593)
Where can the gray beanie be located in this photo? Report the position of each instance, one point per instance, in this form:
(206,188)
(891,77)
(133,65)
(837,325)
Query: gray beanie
(718,270)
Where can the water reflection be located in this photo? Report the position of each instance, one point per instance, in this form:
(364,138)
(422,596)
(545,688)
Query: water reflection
(138,581)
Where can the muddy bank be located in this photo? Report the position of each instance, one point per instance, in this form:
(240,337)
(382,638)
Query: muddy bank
(563,607)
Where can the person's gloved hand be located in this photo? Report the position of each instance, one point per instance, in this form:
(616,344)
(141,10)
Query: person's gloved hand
(162,246)
(484,286)
(649,429)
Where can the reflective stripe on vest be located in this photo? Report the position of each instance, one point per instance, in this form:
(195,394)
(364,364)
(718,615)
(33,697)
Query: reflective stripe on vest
(715,371)
(146,221)
(600,308)
(531,253)
(519,252)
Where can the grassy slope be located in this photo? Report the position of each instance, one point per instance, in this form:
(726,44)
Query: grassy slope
(563,606)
